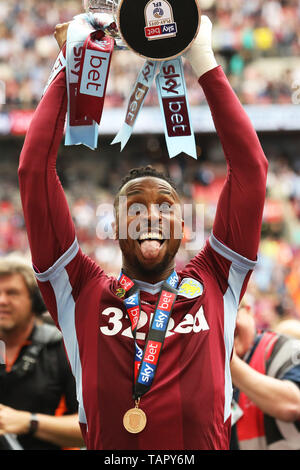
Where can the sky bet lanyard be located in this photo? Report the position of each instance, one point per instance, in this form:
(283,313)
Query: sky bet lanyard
(146,362)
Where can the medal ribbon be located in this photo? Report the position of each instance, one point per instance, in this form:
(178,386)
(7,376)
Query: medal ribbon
(146,362)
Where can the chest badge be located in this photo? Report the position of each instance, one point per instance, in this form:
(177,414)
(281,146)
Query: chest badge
(120,292)
(190,288)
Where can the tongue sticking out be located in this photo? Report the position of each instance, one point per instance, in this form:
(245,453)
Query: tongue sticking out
(150,248)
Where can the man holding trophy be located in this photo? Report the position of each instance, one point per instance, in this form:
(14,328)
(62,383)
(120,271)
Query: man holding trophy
(151,350)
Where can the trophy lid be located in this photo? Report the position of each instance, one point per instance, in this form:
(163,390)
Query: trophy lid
(158,30)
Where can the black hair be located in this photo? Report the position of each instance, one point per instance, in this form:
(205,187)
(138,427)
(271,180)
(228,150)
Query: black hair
(146,171)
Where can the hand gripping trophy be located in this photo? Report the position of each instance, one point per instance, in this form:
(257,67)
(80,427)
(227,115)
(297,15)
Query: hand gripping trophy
(103,15)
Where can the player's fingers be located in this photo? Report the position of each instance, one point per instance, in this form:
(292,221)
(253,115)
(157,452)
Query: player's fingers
(60,33)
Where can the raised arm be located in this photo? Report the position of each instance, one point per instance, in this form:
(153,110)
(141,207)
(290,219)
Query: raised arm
(239,212)
(240,208)
(48,221)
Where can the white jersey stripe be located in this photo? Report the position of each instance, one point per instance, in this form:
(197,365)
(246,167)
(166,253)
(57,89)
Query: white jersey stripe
(60,282)
(60,264)
(66,320)
(231,302)
(237,259)
(239,268)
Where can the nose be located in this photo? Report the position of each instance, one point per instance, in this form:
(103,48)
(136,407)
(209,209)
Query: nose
(151,217)
(155,212)
(3,298)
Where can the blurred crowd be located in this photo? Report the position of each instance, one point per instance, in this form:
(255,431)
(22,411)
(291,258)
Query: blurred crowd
(257,42)
(275,284)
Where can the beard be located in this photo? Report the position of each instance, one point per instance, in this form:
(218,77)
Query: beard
(6,326)
(158,268)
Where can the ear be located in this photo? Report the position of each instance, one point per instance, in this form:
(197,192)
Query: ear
(115,229)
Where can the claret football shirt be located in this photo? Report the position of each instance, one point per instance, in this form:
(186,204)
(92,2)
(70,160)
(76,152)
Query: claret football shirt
(192,388)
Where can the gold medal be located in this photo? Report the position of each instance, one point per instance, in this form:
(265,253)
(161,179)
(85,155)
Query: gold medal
(135,419)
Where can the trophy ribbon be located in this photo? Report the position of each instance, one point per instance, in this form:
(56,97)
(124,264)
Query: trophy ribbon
(93,74)
(174,107)
(84,130)
(173,102)
(88,54)
(91,39)
(59,65)
(136,101)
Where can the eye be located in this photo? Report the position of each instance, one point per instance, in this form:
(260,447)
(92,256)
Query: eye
(136,209)
(165,207)
(13,293)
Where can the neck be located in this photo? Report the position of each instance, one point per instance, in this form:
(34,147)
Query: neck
(16,336)
(152,277)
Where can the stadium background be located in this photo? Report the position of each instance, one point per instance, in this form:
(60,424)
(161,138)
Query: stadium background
(258,44)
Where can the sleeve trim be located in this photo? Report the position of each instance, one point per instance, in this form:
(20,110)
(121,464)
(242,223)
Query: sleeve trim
(236,259)
(60,264)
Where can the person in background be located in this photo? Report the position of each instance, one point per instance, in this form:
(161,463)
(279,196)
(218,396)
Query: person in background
(37,390)
(288,327)
(265,371)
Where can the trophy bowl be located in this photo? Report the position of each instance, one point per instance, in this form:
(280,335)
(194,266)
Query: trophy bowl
(101,6)
(157,30)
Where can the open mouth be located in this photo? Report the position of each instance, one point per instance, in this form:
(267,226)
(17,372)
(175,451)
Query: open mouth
(150,244)
(152,236)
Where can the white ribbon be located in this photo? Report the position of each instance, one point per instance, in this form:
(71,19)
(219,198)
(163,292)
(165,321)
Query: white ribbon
(174,106)
(59,65)
(170,85)
(84,131)
(136,101)
(173,102)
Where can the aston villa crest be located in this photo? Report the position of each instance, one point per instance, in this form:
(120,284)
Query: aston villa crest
(159,20)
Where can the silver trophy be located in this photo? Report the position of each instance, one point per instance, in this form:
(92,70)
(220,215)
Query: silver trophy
(101,6)
(102,14)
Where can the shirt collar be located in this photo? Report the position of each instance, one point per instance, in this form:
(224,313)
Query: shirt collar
(147,287)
